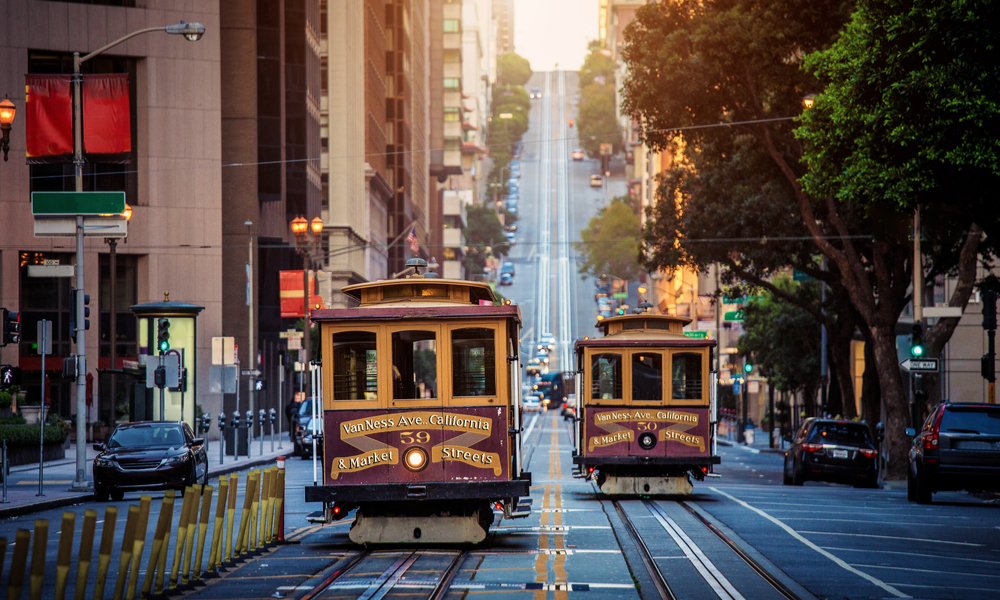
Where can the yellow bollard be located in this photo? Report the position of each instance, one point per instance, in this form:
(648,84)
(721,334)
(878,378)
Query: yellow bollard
(65,554)
(206,514)
(192,526)
(267,498)
(231,515)
(162,525)
(86,553)
(279,521)
(220,520)
(254,508)
(161,564)
(138,545)
(22,540)
(181,535)
(104,552)
(38,547)
(242,543)
(125,558)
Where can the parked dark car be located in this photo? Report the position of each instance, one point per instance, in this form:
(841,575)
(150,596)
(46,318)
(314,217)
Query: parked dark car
(307,437)
(958,448)
(832,450)
(302,422)
(148,455)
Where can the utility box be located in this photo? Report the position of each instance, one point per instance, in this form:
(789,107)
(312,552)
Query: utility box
(231,442)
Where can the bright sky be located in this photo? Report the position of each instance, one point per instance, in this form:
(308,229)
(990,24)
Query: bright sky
(554,31)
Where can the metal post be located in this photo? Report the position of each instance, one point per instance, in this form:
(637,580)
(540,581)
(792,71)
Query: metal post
(770,402)
(312,401)
(222,437)
(250,340)
(41,413)
(80,483)
(6,473)
(271,422)
(163,416)
(113,327)
(281,394)
(823,370)
(305,317)
(236,432)
(261,415)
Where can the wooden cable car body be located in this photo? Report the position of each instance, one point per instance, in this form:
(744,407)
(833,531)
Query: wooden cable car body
(421,411)
(646,422)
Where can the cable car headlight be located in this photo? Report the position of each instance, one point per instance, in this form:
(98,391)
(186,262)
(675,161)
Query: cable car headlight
(415,459)
(647,440)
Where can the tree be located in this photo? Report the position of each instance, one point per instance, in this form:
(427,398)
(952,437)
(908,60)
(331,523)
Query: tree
(739,62)
(610,243)
(780,335)
(513,69)
(484,236)
(599,65)
(597,121)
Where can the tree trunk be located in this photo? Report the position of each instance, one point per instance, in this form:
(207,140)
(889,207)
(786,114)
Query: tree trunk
(893,399)
(871,391)
(834,402)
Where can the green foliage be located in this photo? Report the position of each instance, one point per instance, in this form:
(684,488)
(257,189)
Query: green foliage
(597,122)
(484,236)
(782,337)
(27,435)
(6,400)
(505,132)
(513,69)
(597,64)
(13,420)
(610,243)
(912,90)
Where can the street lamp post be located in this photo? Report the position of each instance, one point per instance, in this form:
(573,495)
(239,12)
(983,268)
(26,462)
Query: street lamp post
(7,112)
(300,227)
(193,32)
(113,325)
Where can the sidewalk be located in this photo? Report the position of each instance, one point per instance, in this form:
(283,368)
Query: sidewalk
(22,486)
(761,443)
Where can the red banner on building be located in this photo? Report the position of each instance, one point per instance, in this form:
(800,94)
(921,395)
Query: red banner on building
(291,294)
(107,120)
(48,108)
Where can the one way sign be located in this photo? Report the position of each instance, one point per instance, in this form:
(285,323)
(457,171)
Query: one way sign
(921,365)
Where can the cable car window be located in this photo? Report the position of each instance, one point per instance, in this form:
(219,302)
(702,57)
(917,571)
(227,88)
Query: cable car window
(686,376)
(605,376)
(647,376)
(414,365)
(355,373)
(473,359)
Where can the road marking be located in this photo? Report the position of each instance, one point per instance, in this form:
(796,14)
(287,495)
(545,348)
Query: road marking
(934,556)
(894,537)
(842,564)
(705,567)
(531,426)
(926,571)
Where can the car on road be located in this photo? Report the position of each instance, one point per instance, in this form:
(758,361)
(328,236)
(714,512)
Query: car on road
(506,279)
(535,93)
(301,418)
(569,407)
(531,403)
(511,227)
(507,267)
(314,425)
(596,181)
(534,367)
(957,448)
(149,455)
(832,450)
(512,210)
(511,238)
(578,154)
(603,303)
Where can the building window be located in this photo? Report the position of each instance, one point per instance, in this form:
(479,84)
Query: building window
(451,26)
(452,144)
(451,83)
(126,286)
(97,177)
(452,56)
(452,115)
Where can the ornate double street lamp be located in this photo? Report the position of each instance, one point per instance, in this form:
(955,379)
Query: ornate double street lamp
(113,324)
(7,112)
(301,228)
(192,32)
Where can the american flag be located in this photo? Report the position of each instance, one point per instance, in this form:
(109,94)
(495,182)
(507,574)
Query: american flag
(412,239)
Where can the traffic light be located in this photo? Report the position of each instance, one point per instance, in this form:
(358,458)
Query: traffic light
(11,327)
(989,310)
(163,335)
(917,341)
(748,368)
(160,377)
(72,312)
(621,311)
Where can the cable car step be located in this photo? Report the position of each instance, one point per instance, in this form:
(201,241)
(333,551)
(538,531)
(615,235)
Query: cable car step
(316,517)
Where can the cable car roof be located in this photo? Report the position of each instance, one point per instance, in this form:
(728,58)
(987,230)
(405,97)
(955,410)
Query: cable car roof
(644,329)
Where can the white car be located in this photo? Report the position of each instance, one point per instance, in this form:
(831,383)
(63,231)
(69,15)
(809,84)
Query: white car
(531,404)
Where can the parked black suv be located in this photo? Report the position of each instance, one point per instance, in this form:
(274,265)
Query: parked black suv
(832,450)
(958,448)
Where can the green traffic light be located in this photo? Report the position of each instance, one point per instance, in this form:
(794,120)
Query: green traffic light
(917,350)
(164,346)
(748,367)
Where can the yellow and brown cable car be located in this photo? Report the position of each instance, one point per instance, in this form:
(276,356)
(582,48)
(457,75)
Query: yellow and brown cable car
(646,423)
(421,411)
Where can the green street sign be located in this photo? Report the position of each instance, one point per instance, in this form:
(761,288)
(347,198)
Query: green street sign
(740,299)
(622,295)
(733,315)
(698,335)
(800,276)
(77,203)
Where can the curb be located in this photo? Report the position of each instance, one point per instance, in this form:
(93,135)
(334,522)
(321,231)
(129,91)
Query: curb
(32,507)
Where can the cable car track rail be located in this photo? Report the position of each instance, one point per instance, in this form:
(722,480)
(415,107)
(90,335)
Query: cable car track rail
(391,578)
